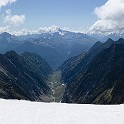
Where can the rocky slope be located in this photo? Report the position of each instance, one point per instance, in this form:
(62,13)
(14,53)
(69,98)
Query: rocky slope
(79,64)
(98,77)
(23,76)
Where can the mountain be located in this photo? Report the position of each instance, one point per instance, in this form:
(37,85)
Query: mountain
(54,44)
(37,64)
(82,61)
(8,42)
(58,46)
(23,76)
(104,37)
(98,76)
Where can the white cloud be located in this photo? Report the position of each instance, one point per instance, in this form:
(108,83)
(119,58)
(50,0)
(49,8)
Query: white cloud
(40,30)
(13,19)
(54,28)
(22,32)
(5,29)
(5,2)
(110,18)
(51,29)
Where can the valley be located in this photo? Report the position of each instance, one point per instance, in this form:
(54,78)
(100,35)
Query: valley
(57,88)
(62,68)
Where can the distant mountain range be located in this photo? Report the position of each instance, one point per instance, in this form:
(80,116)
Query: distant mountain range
(54,45)
(104,37)
(96,77)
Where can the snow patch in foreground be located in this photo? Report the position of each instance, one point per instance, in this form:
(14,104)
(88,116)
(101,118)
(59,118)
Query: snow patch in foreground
(24,112)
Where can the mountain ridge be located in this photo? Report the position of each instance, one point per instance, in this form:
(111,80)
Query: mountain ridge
(19,78)
(100,81)
(54,47)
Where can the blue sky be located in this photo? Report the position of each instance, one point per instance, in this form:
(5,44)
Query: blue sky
(96,16)
(63,13)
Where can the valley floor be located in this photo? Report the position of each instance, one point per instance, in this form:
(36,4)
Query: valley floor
(57,87)
(24,112)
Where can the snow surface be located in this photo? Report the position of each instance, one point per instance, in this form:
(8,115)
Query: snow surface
(24,112)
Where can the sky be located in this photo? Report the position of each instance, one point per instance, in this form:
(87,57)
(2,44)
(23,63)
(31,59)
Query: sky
(75,14)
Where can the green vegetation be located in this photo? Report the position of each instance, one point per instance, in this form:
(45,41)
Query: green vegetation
(57,87)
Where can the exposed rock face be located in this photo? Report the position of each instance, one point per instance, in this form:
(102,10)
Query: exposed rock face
(98,77)
(23,76)
(79,64)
